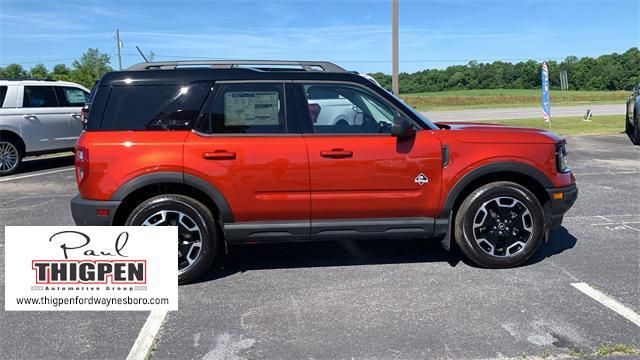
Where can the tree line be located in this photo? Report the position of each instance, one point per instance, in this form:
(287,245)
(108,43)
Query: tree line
(606,72)
(85,71)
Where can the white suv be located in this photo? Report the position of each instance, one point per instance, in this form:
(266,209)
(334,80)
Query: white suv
(38,117)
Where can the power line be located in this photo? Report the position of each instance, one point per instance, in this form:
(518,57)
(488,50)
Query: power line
(40,61)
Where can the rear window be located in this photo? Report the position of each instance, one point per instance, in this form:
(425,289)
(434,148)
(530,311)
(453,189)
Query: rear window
(172,107)
(3,94)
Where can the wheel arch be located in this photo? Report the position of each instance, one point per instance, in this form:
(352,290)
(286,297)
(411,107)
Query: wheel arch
(13,135)
(531,178)
(136,190)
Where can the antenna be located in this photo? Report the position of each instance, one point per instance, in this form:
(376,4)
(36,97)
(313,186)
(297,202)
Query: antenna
(141,54)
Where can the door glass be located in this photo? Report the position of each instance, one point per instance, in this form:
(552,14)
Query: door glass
(75,97)
(39,96)
(346,109)
(246,109)
(153,107)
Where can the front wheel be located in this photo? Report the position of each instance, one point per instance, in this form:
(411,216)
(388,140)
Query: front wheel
(499,225)
(635,135)
(197,240)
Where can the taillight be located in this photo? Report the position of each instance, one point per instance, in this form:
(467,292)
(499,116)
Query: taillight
(314,111)
(82,163)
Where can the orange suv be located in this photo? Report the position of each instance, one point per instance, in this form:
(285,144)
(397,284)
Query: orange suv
(233,152)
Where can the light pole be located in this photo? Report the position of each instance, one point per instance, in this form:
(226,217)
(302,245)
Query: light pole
(119,46)
(394,34)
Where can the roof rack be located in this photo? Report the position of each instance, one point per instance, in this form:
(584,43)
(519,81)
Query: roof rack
(23,79)
(228,64)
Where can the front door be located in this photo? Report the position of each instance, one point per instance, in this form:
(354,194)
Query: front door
(358,170)
(73,99)
(249,148)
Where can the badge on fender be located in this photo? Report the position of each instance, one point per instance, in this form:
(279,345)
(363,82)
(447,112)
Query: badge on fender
(421,179)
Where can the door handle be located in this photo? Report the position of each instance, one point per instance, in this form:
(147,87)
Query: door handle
(336,153)
(30,117)
(219,155)
(76,116)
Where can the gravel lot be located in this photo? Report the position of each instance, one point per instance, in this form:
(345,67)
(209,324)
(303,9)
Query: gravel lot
(368,300)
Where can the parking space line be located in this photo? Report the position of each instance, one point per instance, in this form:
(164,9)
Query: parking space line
(632,228)
(608,173)
(142,346)
(36,174)
(609,302)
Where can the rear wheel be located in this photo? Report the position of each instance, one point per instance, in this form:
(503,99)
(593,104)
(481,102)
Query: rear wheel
(499,225)
(197,240)
(10,156)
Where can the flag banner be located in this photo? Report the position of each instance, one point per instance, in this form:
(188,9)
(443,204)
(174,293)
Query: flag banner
(546,108)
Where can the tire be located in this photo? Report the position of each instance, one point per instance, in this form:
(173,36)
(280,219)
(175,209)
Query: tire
(635,134)
(499,225)
(627,125)
(10,156)
(194,221)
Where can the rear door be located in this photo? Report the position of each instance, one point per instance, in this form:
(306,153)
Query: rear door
(358,170)
(45,121)
(248,145)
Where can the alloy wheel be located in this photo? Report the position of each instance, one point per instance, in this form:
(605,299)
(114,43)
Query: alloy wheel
(8,156)
(503,226)
(189,235)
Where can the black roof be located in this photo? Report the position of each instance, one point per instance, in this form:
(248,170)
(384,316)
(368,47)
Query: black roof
(187,75)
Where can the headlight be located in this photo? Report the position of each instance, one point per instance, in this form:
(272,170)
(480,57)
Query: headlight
(561,158)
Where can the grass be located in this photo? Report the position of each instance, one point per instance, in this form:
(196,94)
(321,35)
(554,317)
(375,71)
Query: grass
(504,98)
(605,124)
(576,353)
(615,349)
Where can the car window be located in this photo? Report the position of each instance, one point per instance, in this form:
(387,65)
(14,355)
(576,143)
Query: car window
(39,96)
(347,109)
(75,96)
(246,109)
(152,107)
(3,94)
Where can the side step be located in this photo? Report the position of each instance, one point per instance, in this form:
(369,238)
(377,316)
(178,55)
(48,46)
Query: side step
(323,230)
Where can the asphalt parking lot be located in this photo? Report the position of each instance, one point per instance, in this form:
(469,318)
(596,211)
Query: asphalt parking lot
(368,300)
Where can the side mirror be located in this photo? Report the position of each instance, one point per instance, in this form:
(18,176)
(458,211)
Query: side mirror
(628,87)
(402,128)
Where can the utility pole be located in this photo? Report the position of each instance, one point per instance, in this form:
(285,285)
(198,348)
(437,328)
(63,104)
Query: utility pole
(118,46)
(394,34)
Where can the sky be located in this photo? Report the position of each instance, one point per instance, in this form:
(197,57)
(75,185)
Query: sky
(353,34)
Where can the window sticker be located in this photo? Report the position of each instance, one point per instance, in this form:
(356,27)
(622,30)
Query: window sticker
(251,108)
(75,96)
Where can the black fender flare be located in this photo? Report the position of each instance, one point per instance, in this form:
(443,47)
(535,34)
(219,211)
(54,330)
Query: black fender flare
(176,178)
(468,178)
